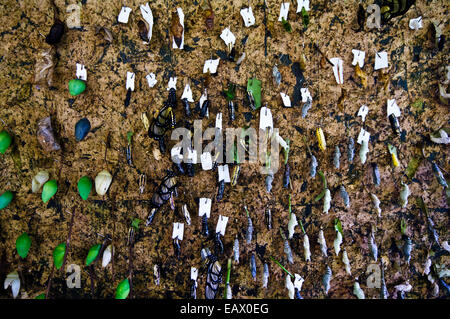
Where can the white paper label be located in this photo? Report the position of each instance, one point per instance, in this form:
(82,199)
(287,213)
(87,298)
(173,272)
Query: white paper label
(219,121)
(228,37)
(363,136)
(224,173)
(204,207)
(301,4)
(284,10)
(181,16)
(192,156)
(305,95)
(298,282)
(211,66)
(187,93)
(247,16)
(194,273)
(151,79)
(178,231)
(175,154)
(338,70)
(265,119)
(363,110)
(381,60)
(130,81)
(81,72)
(124,14)
(73,19)
(221,225)
(358,57)
(286,99)
(392,108)
(416,23)
(148,16)
(172,83)
(206,159)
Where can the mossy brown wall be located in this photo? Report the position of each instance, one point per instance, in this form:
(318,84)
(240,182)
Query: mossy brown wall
(413,76)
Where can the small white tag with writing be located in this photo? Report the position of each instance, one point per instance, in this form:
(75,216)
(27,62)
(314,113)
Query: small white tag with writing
(247,16)
(221,225)
(204,207)
(81,72)
(124,14)
(130,81)
(358,57)
(363,136)
(224,173)
(178,231)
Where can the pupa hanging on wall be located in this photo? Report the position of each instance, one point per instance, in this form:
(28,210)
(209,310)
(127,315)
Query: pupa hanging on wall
(394,8)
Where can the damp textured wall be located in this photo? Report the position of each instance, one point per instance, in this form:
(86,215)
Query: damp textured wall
(413,75)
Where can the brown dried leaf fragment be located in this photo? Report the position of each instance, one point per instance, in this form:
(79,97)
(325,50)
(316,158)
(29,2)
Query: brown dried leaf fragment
(362,75)
(45,67)
(341,100)
(176,29)
(207,80)
(384,79)
(323,62)
(271,24)
(107,34)
(45,135)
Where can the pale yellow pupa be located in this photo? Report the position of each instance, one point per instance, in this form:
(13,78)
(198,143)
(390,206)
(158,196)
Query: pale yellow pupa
(102,182)
(38,180)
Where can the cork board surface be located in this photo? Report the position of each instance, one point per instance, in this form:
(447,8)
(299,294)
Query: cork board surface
(413,81)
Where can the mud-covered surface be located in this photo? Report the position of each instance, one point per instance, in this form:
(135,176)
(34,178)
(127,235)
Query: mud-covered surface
(413,75)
